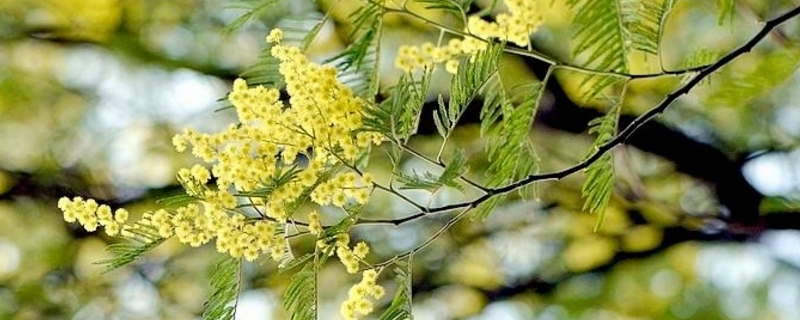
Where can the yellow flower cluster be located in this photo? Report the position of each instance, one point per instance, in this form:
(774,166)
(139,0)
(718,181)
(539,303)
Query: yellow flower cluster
(91,215)
(322,122)
(195,226)
(340,188)
(349,257)
(516,26)
(410,58)
(358,301)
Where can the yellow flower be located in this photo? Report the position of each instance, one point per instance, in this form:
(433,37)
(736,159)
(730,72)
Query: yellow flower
(275,36)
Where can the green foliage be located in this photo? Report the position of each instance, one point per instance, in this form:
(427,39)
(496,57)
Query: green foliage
(610,30)
(300,297)
(601,34)
(255,9)
(727,9)
(699,58)
(175,201)
(471,77)
(125,253)
(358,62)
(454,7)
(509,150)
(264,71)
(398,117)
(279,179)
(599,183)
(400,309)
(643,21)
(432,182)
(506,120)
(301,30)
(224,290)
(145,238)
(736,88)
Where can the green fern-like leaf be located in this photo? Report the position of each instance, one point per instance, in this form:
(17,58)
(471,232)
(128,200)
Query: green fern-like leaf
(471,78)
(506,121)
(736,88)
(221,305)
(643,21)
(300,297)
(175,201)
(254,9)
(457,8)
(700,58)
(279,179)
(415,180)
(400,309)
(599,183)
(609,30)
(358,63)
(292,263)
(727,9)
(264,71)
(301,30)
(432,182)
(125,253)
(365,18)
(601,34)
(398,117)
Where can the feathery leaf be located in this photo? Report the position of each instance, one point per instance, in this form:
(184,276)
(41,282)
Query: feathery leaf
(734,88)
(727,9)
(609,30)
(125,253)
(400,309)
(300,297)
(398,117)
(221,305)
(598,186)
(254,9)
(506,120)
(471,78)
(431,182)
(142,239)
(458,8)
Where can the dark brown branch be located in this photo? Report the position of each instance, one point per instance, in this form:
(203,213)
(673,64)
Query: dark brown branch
(620,139)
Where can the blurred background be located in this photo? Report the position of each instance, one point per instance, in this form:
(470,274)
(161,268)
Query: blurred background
(703,225)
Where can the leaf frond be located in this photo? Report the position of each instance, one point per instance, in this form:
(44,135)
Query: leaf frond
(400,308)
(300,296)
(254,9)
(397,117)
(608,31)
(727,9)
(126,253)
(432,182)
(599,183)
(737,88)
(457,8)
(506,120)
(221,305)
(469,80)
